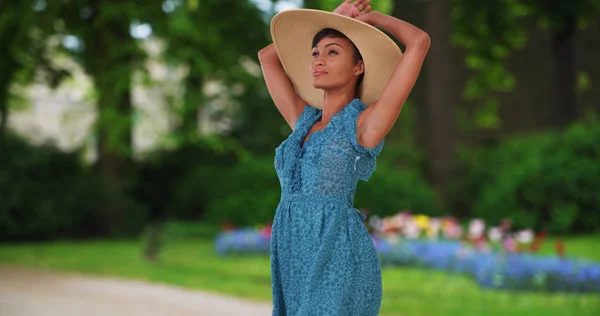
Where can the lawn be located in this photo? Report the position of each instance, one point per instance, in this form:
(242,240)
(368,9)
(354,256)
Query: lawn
(192,263)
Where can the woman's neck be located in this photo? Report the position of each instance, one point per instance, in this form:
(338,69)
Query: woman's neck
(335,101)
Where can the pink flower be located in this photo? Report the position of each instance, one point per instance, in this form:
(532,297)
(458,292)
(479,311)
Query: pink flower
(454,231)
(411,230)
(510,244)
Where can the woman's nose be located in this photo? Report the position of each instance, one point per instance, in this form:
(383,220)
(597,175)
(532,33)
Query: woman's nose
(318,62)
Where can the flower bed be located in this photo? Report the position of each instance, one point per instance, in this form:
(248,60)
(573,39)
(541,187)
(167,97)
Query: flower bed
(244,241)
(497,258)
(511,271)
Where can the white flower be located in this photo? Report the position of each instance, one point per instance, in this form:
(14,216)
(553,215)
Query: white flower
(435,226)
(495,234)
(411,230)
(476,228)
(376,222)
(400,219)
(525,236)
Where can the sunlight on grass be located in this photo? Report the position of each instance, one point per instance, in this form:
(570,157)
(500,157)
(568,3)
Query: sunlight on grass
(193,263)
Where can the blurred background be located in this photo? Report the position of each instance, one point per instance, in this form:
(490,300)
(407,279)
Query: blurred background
(137,139)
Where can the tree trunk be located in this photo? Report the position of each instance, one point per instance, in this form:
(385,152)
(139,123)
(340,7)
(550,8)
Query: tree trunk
(4,82)
(154,242)
(439,96)
(8,66)
(114,147)
(113,77)
(414,12)
(565,100)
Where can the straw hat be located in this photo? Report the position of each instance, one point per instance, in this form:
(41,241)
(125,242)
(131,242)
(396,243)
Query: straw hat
(292,32)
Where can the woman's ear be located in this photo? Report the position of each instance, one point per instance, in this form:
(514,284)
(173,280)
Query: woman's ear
(360,68)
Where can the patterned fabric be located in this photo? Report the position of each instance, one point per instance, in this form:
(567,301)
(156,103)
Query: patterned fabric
(323,261)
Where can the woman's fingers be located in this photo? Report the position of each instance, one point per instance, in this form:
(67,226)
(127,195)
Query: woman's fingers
(361,4)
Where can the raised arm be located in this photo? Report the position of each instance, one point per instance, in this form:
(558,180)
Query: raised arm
(377,120)
(289,104)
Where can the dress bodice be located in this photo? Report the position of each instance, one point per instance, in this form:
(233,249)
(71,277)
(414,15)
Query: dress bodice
(331,161)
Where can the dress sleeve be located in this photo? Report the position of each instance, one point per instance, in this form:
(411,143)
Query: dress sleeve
(350,122)
(365,161)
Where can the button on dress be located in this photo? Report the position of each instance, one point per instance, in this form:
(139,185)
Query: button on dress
(323,261)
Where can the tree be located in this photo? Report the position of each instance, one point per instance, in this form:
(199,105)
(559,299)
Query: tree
(562,19)
(214,40)
(441,110)
(97,35)
(24,28)
(230,31)
(490,30)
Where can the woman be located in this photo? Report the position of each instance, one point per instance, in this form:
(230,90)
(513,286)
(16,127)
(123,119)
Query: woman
(341,98)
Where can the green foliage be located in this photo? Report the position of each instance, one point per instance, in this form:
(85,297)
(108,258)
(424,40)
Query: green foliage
(556,15)
(48,194)
(489,31)
(391,190)
(176,183)
(99,38)
(246,194)
(549,181)
(195,182)
(214,41)
(384,6)
(23,30)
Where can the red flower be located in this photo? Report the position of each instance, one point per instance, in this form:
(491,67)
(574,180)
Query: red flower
(560,248)
(505,225)
(227,226)
(535,246)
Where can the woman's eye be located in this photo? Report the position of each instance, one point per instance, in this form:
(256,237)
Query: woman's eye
(332,52)
(314,54)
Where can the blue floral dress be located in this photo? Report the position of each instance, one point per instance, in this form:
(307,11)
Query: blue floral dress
(323,261)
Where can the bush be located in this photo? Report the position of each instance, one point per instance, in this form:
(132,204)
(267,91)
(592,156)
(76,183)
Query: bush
(175,184)
(391,190)
(548,181)
(246,194)
(46,194)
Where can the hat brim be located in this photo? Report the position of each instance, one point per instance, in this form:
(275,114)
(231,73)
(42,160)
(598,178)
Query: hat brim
(292,32)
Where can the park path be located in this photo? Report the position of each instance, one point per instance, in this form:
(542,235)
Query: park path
(42,293)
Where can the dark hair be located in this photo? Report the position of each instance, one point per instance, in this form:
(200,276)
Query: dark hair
(333,33)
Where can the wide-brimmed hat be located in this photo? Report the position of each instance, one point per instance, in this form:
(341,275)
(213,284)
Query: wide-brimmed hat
(292,32)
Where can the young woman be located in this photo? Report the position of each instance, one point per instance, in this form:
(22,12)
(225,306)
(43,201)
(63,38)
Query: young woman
(340,84)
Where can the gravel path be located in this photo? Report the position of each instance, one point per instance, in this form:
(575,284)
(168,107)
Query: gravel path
(40,293)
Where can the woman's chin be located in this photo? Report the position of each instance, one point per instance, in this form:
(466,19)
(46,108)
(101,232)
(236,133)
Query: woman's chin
(318,85)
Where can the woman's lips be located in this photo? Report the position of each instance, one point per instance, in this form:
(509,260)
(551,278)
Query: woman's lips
(317,73)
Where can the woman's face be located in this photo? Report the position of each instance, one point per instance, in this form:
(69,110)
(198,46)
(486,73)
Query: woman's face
(333,64)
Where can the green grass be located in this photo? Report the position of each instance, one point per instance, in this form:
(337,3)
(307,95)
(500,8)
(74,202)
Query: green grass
(193,263)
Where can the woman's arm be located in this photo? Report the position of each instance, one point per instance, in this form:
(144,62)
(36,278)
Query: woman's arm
(289,104)
(377,120)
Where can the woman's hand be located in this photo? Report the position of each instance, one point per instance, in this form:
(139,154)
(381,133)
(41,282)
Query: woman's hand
(368,17)
(353,10)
